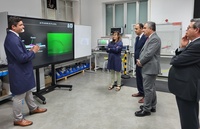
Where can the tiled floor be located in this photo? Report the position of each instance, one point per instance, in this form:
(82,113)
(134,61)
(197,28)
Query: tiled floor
(90,105)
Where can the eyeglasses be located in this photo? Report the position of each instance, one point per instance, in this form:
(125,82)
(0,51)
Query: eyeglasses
(189,27)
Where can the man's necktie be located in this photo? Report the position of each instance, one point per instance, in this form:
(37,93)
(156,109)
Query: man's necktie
(137,40)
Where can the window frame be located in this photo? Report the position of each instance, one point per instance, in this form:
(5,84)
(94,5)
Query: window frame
(125,14)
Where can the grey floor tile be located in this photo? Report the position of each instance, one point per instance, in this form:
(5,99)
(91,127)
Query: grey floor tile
(90,105)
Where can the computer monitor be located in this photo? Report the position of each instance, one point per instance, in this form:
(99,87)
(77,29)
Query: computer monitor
(103,42)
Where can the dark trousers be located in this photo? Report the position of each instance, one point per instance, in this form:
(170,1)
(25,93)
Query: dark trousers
(189,113)
(139,80)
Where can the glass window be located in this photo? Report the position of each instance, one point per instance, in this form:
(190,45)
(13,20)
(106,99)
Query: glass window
(131,16)
(61,10)
(69,12)
(127,13)
(143,11)
(119,15)
(109,18)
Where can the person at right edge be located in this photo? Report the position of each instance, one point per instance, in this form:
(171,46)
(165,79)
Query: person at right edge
(184,76)
(149,60)
(139,43)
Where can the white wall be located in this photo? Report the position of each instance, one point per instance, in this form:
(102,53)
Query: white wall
(23,8)
(86,12)
(159,10)
(173,10)
(29,8)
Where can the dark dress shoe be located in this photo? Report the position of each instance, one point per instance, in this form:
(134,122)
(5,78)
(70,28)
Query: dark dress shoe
(142,113)
(23,122)
(137,95)
(38,110)
(141,100)
(152,109)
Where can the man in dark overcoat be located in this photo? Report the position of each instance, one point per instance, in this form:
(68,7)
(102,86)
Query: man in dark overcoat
(21,76)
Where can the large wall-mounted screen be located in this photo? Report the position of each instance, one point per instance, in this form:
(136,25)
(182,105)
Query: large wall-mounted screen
(55,38)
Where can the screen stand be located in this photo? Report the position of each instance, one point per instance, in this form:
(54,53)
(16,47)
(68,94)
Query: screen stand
(54,79)
(37,93)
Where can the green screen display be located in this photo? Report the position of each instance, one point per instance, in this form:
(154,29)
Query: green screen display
(59,43)
(104,42)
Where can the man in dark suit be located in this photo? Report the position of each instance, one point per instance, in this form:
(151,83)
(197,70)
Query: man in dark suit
(149,60)
(139,43)
(184,76)
(21,77)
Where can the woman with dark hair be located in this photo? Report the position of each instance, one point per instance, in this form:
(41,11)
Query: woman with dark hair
(114,60)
